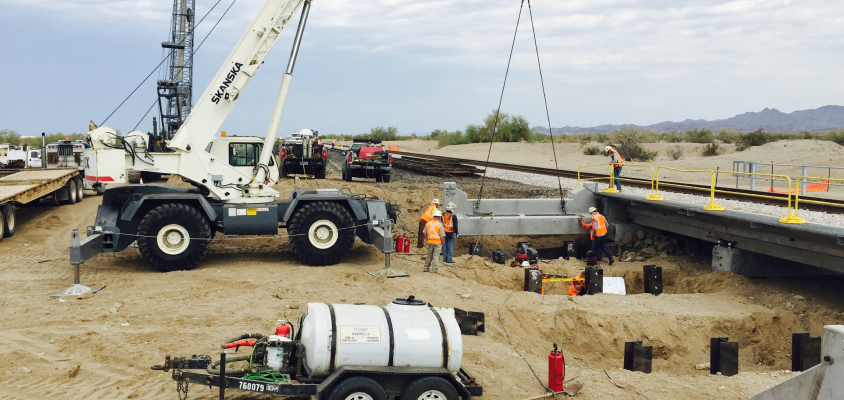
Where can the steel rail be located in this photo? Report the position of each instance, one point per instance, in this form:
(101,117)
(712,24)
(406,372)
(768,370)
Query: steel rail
(830,205)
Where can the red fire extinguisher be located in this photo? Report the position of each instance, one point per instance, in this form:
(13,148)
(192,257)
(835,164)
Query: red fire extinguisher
(407,244)
(556,370)
(399,243)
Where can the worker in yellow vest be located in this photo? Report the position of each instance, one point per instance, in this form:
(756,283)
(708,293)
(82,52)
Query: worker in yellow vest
(617,162)
(435,234)
(451,233)
(598,233)
(427,216)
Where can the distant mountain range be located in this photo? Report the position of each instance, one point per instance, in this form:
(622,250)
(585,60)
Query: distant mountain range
(769,120)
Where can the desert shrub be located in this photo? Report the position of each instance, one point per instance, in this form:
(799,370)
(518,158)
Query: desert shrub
(699,136)
(510,129)
(836,136)
(629,144)
(600,137)
(592,151)
(755,138)
(728,136)
(674,153)
(446,138)
(672,137)
(710,149)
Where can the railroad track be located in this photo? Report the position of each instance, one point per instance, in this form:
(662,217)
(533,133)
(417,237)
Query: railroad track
(668,186)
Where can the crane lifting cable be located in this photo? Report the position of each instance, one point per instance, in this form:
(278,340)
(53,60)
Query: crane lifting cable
(501,98)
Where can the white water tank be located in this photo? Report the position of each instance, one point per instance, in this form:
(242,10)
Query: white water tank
(404,333)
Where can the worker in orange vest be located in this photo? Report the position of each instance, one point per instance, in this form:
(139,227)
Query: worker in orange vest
(577,284)
(427,216)
(617,162)
(451,233)
(435,235)
(598,233)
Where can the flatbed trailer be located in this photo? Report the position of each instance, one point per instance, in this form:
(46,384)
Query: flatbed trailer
(18,187)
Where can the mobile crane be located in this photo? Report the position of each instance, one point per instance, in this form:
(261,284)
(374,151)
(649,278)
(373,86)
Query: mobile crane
(174,226)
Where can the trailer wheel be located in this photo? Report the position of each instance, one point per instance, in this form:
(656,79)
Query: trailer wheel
(174,237)
(429,388)
(80,188)
(2,223)
(321,233)
(358,388)
(71,191)
(8,221)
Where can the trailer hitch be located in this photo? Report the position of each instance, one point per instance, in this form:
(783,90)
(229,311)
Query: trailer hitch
(168,363)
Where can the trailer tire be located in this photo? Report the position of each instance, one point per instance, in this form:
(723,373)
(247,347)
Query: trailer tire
(174,237)
(133,177)
(430,388)
(321,233)
(80,188)
(8,222)
(2,223)
(386,177)
(358,388)
(71,191)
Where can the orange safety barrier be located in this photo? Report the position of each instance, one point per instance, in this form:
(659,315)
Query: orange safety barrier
(393,148)
(814,187)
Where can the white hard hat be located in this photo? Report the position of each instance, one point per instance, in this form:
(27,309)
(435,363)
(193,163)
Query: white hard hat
(592,209)
(436,201)
(607,149)
(437,213)
(451,206)
(525,264)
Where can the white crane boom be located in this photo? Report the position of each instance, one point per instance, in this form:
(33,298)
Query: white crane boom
(188,157)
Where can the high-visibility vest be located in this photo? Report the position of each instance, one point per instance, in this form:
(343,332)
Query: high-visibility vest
(572,290)
(598,227)
(429,212)
(432,230)
(448,224)
(619,161)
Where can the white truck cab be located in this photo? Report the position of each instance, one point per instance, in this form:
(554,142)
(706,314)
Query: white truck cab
(242,153)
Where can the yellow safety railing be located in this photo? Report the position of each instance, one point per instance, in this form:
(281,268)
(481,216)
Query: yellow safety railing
(612,178)
(809,178)
(790,219)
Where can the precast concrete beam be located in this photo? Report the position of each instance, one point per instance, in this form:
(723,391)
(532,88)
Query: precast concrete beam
(519,216)
(756,265)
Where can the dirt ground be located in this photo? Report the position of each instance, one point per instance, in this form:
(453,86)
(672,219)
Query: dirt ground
(570,156)
(247,285)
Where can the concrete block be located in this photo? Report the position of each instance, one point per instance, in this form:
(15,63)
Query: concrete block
(755,265)
(824,381)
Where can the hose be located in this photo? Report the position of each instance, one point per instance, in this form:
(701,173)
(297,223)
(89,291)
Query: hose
(241,337)
(211,369)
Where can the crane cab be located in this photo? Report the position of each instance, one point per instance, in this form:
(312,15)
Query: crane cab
(242,153)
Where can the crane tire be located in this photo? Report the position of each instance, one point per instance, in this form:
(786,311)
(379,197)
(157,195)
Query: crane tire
(8,222)
(174,237)
(133,177)
(321,233)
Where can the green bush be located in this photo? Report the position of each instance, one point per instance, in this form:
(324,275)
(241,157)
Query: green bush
(755,138)
(674,153)
(710,149)
(446,138)
(592,151)
(836,136)
(699,136)
(629,143)
(672,137)
(728,136)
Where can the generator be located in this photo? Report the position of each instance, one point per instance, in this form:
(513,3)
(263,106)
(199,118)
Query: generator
(524,252)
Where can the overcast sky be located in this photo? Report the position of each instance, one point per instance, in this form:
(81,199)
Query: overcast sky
(422,65)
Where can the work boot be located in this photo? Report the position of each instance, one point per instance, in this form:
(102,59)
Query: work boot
(612,261)
(426,270)
(434,270)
